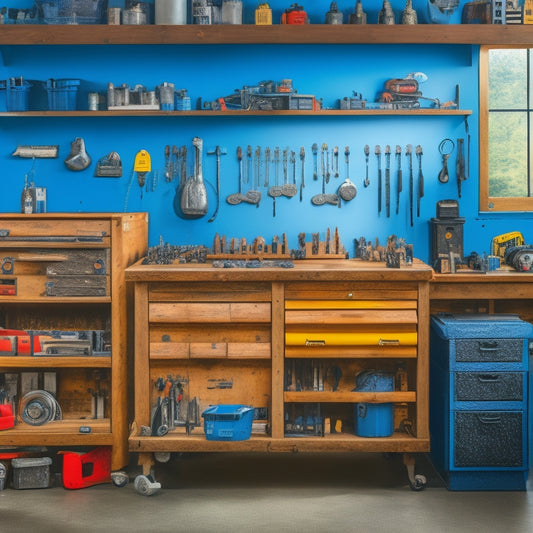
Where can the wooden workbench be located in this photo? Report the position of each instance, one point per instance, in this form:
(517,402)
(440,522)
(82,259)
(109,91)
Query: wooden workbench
(250,328)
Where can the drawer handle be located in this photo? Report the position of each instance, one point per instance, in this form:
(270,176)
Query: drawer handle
(389,342)
(488,379)
(489,419)
(488,346)
(309,342)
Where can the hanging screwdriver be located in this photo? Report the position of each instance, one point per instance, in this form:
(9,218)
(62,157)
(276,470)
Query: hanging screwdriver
(420,179)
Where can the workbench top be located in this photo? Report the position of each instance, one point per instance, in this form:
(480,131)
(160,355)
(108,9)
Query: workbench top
(303,270)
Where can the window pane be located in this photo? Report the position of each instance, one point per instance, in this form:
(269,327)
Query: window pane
(507,79)
(507,154)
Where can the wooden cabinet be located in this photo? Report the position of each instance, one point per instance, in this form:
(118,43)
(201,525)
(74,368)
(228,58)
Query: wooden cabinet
(233,336)
(60,274)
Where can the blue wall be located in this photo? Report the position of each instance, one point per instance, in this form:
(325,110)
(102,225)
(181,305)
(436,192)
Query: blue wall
(209,71)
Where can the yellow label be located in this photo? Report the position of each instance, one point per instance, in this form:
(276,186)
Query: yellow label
(143,162)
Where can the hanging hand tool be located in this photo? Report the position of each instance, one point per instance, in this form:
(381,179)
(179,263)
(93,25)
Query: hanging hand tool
(175,155)
(275,191)
(193,199)
(142,165)
(336,159)
(409,154)
(267,165)
(377,151)
(168,171)
(467,132)
(248,164)
(257,165)
(302,159)
(445,149)
(387,180)
(347,191)
(314,149)
(366,183)
(460,165)
(289,189)
(399,183)
(218,152)
(182,154)
(420,193)
(327,162)
(239,159)
(323,151)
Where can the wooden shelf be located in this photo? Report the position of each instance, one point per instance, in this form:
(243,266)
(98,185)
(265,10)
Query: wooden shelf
(55,362)
(348,397)
(28,34)
(331,443)
(241,113)
(60,433)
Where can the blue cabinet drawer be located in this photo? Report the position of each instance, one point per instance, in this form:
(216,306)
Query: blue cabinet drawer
(489,386)
(489,350)
(485,439)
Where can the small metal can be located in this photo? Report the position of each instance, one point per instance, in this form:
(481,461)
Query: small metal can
(94,100)
(113,15)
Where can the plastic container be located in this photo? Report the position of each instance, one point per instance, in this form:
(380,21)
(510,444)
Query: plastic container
(72,11)
(7,418)
(62,94)
(374,419)
(31,473)
(17,94)
(228,422)
(171,12)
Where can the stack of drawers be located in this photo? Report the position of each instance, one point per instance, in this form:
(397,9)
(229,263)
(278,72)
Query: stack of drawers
(479,413)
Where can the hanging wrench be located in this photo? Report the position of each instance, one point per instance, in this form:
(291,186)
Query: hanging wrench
(248,172)
(302,159)
(377,151)
(409,154)
(267,165)
(366,183)
(399,183)
(314,149)
(325,177)
(336,159)
(387,180)
(420,194)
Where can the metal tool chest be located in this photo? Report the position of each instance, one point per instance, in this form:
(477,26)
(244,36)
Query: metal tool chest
(479,402)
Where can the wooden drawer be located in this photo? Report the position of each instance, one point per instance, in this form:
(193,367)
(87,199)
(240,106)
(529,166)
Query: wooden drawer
(210,312)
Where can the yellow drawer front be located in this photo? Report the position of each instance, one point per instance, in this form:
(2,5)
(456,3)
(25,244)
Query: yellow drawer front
(350,304)
(351,339)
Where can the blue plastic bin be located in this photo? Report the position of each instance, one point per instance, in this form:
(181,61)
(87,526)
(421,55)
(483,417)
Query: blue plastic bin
(72,11)
(374,419)
(62,94)
(17,94)
(228,422)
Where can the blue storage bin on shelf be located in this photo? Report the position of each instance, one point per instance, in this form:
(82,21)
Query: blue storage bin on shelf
(17,94)
(62,94)
(374,419)
(228,422)
(72,11)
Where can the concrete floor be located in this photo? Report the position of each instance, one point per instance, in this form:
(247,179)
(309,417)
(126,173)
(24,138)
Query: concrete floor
(279,493)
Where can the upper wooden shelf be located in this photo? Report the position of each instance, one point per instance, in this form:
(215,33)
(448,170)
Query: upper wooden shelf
(29,34)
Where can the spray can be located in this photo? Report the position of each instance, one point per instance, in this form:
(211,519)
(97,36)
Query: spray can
(171,12)
(231,11)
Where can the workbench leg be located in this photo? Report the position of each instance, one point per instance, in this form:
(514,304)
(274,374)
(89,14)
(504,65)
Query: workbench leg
(416,482)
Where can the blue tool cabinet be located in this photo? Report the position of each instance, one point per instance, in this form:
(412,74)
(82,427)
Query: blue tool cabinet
(479,400)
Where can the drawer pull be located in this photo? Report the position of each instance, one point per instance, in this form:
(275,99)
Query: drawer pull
(490,346)
(309,342)
(389,342)
(489,419)
(488,378)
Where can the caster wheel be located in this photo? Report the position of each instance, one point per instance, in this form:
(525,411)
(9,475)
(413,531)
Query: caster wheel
(419,483)
(119,479)
(146,486)
(162,457)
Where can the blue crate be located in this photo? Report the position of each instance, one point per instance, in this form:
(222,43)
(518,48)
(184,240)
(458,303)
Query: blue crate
(62,94)
(72,11)
(228,422)
(17,94)
(374,419)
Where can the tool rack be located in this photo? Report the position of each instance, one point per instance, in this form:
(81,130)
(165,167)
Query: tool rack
(35,245)
(248,328)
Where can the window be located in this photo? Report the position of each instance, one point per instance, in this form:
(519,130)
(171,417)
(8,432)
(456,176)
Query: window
(505,136)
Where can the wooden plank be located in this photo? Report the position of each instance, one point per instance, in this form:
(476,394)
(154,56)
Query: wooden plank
(351,316)
(209,312)
(208,350)
(169,350)
(278,362)
(141,361)
(349,397)
(422,370)
(350,304)
(213,292)
(55,362)
(247,350)
(210,333)
(103,34)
